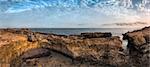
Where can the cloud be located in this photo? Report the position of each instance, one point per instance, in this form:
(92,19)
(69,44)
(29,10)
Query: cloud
(72,13)
(127,25)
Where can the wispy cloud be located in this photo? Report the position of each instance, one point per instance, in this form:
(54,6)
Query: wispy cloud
(72,13)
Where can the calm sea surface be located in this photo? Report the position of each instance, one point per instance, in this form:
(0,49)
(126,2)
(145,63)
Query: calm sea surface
(69,31)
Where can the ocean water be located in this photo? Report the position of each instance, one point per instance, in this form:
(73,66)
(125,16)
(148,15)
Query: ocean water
(71,31)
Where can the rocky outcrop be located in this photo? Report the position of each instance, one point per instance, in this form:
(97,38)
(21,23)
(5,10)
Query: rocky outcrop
(96,35)
(24,48)
(139,47)
(93,48)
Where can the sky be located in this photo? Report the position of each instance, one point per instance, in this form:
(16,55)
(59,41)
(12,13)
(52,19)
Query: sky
(72,13)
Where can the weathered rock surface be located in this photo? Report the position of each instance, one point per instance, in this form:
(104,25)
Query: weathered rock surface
(24,48)
(35,53)
(94,48)
(139,47)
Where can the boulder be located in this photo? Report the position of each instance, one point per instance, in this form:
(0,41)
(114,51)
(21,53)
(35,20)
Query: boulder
(31,38)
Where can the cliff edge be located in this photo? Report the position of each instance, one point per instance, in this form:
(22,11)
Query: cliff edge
(139,47)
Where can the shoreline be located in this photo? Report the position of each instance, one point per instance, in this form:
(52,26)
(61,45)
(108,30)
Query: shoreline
(85,49)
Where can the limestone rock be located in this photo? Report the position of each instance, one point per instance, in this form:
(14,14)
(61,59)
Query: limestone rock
(139,47)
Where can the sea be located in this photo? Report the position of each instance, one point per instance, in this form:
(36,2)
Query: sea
(73,31)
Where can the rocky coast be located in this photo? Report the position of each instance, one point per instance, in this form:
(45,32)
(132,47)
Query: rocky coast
(24,48)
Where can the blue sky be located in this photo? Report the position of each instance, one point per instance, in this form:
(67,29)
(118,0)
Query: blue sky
(71,13)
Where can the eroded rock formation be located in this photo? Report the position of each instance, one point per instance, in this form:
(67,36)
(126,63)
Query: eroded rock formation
(93,48)
(24,48)
(139,47)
